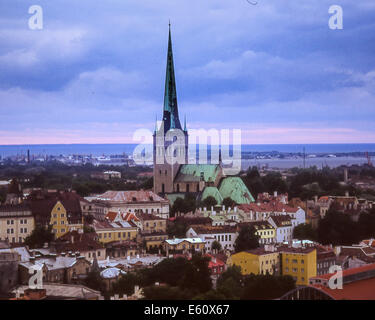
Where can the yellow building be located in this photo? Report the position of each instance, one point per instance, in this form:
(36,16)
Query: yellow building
(16,222)
(115,231)
(257,261)
(183,245)
(264,230)
(60,223)
(300,263)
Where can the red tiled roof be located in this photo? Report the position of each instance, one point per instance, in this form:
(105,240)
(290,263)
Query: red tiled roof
(111,215)
(200,229)
(348,272)
(358,290)
(131,196)
(272,206)
(212,264)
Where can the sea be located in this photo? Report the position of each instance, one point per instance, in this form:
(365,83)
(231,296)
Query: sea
(310,149)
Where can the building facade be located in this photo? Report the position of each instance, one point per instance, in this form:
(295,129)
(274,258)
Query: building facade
(16,223)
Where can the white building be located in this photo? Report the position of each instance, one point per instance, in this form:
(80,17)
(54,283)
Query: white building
(225,235)
(284,227)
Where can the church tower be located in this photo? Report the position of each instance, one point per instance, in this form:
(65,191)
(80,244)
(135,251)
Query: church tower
(165,171)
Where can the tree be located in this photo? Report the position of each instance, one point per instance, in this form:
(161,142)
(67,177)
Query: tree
(304,232)
(180,205)
(247,239)
(39,236)
(126,284)
(197,277)
(216,245)
(94,281)
(209,202)
(177,229)
(338,229)
(229,283)
(228,202)
(266,287)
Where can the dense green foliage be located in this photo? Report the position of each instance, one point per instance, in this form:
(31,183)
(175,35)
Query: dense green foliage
(190,277)
(184,205)
(94,281)
(228,202)
(56,175)
(265,287)
(247,239)
(39,236)
(209,202)
(337,228)
(306,183)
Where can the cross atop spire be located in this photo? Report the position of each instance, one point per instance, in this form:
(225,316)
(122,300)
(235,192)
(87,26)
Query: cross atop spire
(170,113)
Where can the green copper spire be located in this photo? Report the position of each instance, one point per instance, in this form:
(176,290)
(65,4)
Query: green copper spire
(170,114)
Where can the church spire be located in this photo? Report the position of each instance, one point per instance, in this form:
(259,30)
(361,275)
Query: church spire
(170,114)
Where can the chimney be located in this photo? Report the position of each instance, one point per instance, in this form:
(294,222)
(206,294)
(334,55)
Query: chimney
(275,194)
(315,199)
(72,238)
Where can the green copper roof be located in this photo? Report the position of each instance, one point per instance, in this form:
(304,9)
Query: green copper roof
(213,192)
(192,172)
(234,188)
(170,114)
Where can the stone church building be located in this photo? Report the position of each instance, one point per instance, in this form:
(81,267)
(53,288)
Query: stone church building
(176,179)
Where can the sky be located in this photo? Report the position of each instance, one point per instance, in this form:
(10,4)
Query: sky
(275,70)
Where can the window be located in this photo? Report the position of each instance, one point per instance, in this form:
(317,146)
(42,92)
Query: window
(302,261)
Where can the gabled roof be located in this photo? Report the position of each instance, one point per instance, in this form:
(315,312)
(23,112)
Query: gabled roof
(282,220)
(131,196)
(200,229)
(234,188)
(192,172)
(178,241)
(212,192)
